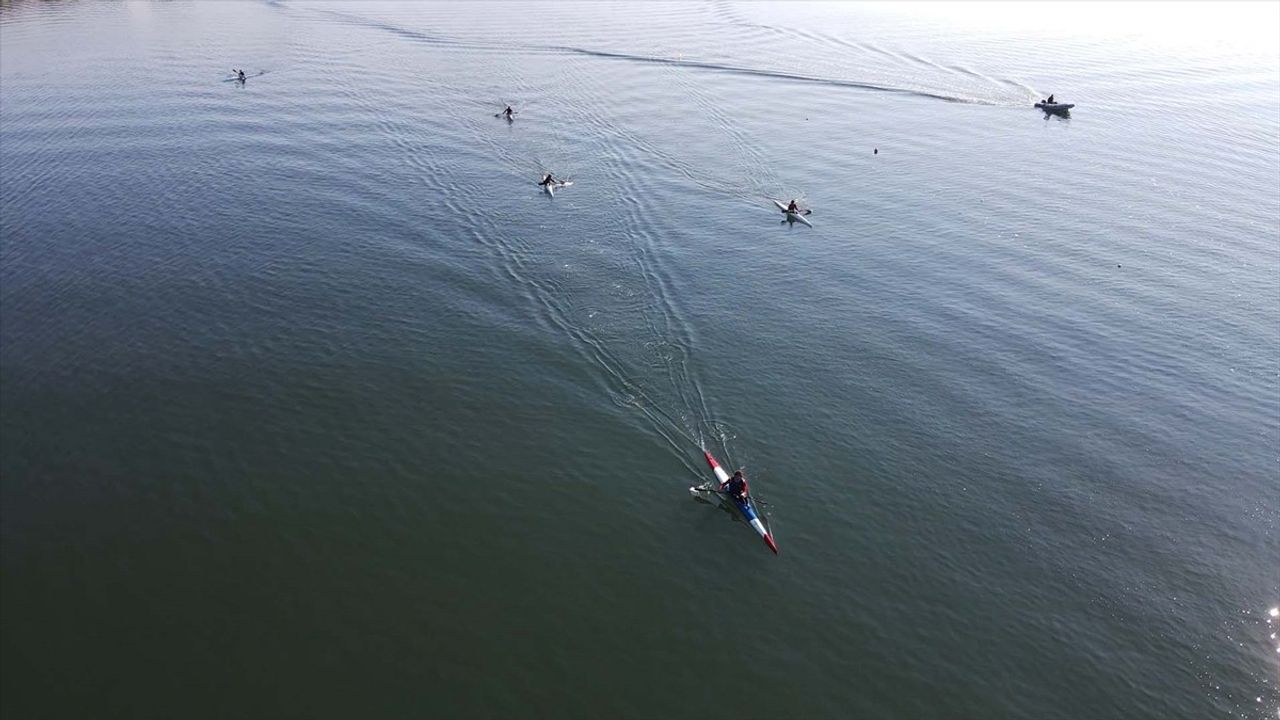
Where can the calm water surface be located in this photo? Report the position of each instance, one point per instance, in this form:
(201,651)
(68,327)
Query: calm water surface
(312,405)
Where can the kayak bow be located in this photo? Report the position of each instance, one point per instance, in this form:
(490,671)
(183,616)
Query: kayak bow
(747,508)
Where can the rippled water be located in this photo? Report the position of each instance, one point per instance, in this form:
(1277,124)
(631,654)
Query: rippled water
(313,405)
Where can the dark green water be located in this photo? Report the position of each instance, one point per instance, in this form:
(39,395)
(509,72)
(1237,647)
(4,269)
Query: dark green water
(312,405)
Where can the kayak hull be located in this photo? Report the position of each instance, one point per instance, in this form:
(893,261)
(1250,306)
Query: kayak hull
(791,216)
(745,508)
(1055,107)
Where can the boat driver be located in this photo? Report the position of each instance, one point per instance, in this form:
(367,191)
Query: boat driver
(737,486)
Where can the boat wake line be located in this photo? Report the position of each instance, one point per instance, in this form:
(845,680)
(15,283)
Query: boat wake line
(440,40)
(763,72)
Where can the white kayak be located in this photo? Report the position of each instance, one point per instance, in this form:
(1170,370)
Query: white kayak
(794,216)
(1055,107)
(550,188)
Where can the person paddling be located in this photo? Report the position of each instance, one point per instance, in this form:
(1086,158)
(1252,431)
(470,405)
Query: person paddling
(736,487)
(509,113)
(241,73)
(794,207)
(548,180)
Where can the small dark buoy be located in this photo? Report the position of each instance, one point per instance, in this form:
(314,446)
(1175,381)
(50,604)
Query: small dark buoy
(1117,264)
(876,151)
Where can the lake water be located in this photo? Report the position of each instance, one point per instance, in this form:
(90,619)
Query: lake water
(313,405)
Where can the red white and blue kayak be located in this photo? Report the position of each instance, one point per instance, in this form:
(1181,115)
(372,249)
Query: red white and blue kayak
(747,508)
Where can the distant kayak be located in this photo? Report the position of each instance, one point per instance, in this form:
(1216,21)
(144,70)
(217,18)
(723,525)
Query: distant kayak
(233,78)
(794,216)
(1055,107)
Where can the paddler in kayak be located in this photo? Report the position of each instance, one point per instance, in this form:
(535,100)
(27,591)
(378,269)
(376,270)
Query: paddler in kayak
(736,487)
(793,207)
(241,75)
(548,180)
(509,113)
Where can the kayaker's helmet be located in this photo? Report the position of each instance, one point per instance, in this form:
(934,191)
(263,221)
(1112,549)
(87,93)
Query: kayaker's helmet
(737,473)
